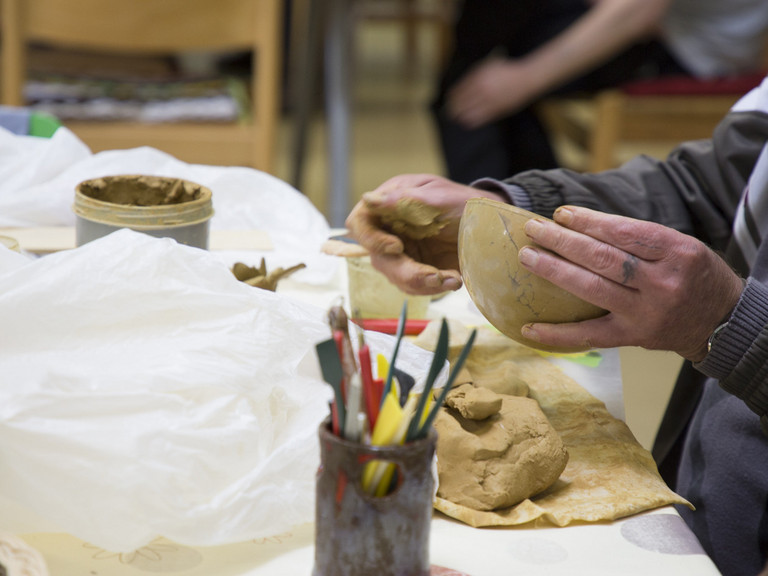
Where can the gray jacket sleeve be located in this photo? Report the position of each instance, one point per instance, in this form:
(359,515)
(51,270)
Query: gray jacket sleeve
(739,358)
(695,190)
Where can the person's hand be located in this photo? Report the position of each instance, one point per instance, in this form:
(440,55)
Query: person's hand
(428,263)
(493,89)
(664,290)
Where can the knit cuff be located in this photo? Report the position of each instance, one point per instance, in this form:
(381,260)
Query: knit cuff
(738,358)
(514,194)
(545,195)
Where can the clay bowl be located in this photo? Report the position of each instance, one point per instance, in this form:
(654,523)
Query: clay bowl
(490,237)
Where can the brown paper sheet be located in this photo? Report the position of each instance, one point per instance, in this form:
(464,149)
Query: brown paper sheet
(609,474)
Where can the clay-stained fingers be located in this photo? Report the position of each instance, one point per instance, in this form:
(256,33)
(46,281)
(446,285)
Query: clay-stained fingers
(614,247)
(577,279)
(604,260)
(603,332)
(365,227)
(415,277)
(645,240)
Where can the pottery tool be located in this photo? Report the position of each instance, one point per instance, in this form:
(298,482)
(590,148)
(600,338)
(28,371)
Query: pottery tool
(371,399)
(406,382)
(352,423)
(382,367)
(389,325)
(370,396)
(398,339)
(330,366)
(424,429)
(337,319)
(383,472)
(438,360)
(378,391)
(389,422)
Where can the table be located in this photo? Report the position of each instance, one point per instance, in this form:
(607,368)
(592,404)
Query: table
(652,542)
(656,541)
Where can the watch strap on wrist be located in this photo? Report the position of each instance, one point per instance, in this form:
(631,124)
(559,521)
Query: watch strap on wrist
(723,324)
(714,335)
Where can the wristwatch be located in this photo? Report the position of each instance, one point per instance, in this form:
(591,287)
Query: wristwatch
(714,335)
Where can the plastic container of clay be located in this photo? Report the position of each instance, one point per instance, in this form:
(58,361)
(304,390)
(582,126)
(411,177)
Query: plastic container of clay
(155,205)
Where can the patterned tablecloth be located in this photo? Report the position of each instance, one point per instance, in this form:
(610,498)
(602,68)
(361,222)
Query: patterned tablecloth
(656,542)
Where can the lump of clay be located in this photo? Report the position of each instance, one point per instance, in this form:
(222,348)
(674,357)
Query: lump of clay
(498,461)
(474,403)
(410,217)
(501,377)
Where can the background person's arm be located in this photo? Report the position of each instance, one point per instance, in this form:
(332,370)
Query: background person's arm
(500,86)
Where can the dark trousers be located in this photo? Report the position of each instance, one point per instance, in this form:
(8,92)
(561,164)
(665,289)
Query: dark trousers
(515,27)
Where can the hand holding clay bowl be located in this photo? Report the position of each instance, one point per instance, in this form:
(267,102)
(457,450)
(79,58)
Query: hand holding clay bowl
(490,237)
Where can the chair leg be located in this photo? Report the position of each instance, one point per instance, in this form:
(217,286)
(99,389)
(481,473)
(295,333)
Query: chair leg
(14,54)
(337,73)
(605,131)
(308,43)
(266,84)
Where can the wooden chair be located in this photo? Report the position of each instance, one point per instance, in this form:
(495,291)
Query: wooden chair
(411,14)
(151,27)
(652,115)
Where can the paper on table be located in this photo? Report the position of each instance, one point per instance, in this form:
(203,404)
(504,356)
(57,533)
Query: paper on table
(609,474)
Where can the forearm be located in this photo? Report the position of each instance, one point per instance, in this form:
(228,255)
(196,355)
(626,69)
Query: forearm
(601,33)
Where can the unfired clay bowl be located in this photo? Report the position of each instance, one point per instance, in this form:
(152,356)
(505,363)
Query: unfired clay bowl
(490,237)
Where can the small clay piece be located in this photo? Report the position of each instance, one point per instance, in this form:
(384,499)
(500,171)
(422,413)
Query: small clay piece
(498,461)
(260,278)
(343,248)
(473,403)
(410,218)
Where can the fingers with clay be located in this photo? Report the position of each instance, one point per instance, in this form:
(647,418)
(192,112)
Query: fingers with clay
(365,227)
(415,277)
(663,289)
(409,225)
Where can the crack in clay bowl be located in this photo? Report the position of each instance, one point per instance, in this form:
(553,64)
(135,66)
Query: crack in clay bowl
(509,296)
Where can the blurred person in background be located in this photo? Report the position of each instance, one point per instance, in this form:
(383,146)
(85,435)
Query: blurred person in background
(509,55)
